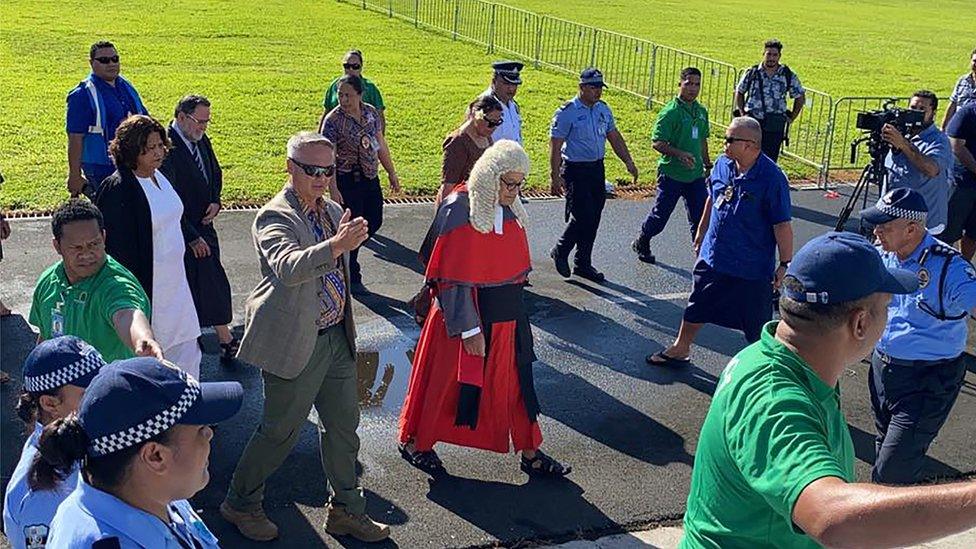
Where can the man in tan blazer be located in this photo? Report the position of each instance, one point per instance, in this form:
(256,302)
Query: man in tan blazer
(298,329)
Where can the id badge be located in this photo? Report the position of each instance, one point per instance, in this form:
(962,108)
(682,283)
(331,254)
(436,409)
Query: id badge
(694,132)
(57,323)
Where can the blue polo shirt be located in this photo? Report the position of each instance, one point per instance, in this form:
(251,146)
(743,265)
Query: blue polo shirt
(740,240)
(89,515)
(963,126)
(912,333)
(118,106)
(934,144)
(584,129)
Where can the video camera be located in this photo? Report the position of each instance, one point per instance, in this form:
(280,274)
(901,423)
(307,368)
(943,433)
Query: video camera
(902,119)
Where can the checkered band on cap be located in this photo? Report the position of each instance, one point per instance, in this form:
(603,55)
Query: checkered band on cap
(89,362)
(900,212)
(142,432)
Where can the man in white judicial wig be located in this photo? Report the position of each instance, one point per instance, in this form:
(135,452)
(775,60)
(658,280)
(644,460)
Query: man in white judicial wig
(56,374)
(143,430)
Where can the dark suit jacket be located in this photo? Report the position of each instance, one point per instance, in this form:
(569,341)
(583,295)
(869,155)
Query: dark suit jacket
(196,192)
(128,225)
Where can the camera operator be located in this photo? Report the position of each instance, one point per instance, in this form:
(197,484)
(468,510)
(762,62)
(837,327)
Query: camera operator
(762,93)
(917,367)
(922,161)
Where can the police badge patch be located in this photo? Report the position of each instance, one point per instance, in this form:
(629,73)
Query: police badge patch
(35,536)
(923,278)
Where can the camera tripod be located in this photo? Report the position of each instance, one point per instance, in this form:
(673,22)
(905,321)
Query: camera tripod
(872,174)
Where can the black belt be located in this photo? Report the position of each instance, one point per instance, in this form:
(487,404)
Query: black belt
(888,359)
(323,331)
(590,164)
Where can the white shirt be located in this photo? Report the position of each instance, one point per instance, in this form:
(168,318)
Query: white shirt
(174,317)
(511,127)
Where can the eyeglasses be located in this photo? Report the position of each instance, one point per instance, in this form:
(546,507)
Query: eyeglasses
(730,139)
(494,123)
(312,170)
(107,60)
(514,186)
(352,66)
(197,120)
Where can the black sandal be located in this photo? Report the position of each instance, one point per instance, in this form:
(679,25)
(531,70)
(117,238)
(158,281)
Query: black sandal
(228,351)
(426,460)
(544,466)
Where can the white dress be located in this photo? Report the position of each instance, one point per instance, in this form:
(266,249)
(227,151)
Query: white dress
(174,317)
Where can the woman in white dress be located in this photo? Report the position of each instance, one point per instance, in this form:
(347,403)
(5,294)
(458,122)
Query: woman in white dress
(144,232)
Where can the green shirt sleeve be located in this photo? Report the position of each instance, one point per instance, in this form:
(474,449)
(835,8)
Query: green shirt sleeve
(664,125)
(35,311)
(780,445)
(123,293)
(376,97)
(708,126)
(331,99)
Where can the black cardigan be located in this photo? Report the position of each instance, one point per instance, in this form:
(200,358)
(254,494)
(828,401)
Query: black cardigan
(128,225)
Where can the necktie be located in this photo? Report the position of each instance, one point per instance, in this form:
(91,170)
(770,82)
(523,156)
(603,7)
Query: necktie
(196,155)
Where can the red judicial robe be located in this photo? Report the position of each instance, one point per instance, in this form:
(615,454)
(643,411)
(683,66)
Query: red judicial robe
(480,402)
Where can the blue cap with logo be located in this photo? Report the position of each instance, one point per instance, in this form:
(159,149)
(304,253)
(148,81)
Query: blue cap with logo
(65,360)
(591,76)
(134,400)
(901,203)
(837,267)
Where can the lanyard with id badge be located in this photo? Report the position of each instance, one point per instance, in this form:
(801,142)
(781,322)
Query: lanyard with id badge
(57,313)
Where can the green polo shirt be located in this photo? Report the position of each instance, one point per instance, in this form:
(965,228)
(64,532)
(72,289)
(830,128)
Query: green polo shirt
(684,126)
(85,309)
(773,428)
(371,95)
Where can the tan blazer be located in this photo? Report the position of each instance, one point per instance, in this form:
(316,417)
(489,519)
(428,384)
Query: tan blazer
(280,312)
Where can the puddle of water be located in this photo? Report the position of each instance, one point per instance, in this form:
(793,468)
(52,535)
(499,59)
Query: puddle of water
(383,376)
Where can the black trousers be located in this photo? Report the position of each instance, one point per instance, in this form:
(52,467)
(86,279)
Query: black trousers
(586,195)
(364,198)
(911,402)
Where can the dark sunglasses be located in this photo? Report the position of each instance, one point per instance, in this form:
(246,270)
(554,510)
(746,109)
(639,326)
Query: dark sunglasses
(513,186)
(729,140)
(312,170)
(107,60)
(352,66)
(494,123)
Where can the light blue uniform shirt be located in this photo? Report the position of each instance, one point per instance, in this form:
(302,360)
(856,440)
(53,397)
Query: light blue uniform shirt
(912,333)
(933,143)
(584,129)
(89,514)
(27,513)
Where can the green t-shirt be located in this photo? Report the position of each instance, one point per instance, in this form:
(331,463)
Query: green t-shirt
(85,309)
(371,95)
(684,126)
(772,429)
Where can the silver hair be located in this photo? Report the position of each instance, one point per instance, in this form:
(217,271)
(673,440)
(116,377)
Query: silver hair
(750,125)
(301,140)
(502,157)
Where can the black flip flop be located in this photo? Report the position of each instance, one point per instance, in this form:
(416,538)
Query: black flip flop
(666,361)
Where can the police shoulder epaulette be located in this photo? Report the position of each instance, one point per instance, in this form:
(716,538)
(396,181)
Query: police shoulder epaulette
(566,104)
(107,543)
(943,249)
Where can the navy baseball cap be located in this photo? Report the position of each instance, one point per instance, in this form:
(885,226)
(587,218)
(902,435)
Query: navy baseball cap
(134,400)
(839,266)
(65,360)
(903,203)
(509,71)
(592,77)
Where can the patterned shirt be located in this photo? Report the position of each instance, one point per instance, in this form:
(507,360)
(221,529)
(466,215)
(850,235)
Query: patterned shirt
(332,296)
(965,90)
(356,142)
(771,90)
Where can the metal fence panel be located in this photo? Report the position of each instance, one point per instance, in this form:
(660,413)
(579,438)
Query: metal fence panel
(515,32)
(473,21)
(564,45)
(718,81)
(626,62)
(810,132)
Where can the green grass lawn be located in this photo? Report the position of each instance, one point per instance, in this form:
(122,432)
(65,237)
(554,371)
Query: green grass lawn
(841,47)
(265,65)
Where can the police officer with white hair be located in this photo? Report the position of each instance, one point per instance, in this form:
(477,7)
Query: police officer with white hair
(142,434)
(917,368)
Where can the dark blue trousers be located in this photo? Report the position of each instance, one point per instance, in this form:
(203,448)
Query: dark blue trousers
(668,192)
(910,403)
(586,194)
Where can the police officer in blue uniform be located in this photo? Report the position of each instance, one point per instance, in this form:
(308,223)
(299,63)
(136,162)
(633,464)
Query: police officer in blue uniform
(143,430)
(578,136)
(917,367)
(56,374)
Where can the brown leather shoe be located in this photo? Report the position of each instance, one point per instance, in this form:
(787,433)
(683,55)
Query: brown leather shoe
(361,527)
(252,524)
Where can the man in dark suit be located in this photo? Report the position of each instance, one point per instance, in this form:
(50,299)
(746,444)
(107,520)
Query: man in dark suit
(195,174)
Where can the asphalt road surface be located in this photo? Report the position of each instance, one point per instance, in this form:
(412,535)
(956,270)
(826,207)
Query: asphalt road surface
(628,430)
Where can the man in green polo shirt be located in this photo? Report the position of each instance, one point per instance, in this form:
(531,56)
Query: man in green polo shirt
(352,64)
(775,462)
(681,137)
(88,294)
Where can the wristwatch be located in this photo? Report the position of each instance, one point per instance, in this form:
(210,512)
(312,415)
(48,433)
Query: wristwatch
(784,264)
